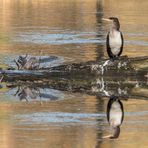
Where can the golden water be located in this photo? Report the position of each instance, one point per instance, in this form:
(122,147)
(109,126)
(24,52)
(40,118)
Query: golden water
(74,31)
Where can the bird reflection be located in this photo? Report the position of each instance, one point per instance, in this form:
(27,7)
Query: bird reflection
(115,116)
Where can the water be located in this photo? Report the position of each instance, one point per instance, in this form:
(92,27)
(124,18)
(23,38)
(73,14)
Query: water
(69,113)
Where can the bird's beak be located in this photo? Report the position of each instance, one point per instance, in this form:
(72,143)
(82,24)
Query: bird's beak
(105,19)
(105,137)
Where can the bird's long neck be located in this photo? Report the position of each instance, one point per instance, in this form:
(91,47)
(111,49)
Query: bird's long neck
(115,26)
(113,32)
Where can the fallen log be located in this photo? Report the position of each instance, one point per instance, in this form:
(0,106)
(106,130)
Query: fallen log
(123,67)
(106,67)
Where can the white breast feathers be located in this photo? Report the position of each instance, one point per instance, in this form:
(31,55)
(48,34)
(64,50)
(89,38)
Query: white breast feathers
(115,114)
(115,41)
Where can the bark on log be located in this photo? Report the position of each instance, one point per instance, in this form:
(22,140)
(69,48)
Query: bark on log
(124,66)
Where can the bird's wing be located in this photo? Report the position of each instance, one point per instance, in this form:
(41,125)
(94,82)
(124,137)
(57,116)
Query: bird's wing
(109,107)
(122,110)
(110,54)
(121,48)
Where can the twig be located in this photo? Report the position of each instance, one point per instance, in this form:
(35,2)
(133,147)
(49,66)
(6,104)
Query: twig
(1,79)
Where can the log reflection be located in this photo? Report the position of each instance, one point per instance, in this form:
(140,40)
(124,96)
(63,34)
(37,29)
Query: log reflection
(96,86)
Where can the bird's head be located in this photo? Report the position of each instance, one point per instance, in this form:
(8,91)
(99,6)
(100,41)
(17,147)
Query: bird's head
(115,21)
(116,133)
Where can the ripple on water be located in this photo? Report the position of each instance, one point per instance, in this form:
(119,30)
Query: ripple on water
(68,118)
(58,118)
(72,38)
(58,38)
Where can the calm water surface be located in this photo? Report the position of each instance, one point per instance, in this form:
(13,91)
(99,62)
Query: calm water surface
(73,31)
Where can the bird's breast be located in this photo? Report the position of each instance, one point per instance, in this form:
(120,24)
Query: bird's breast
(115,41)
(115,114)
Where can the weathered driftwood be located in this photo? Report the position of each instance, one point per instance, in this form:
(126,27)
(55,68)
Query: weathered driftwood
(32,62)
(103,66)
(124,66)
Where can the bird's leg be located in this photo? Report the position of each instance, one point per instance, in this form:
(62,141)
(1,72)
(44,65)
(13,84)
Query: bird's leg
(114,58)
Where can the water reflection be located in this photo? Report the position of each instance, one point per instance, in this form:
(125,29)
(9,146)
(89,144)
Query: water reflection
(98,86)
(34,93)
(80,119)
(115,115)
(99,14)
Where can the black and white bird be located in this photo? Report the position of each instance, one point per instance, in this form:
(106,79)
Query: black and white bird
(115,115)
(114,40)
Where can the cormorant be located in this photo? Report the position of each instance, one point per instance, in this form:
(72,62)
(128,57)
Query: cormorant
(114,40)
(115,115)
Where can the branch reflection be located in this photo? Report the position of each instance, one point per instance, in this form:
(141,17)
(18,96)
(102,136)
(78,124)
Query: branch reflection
(29,93)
